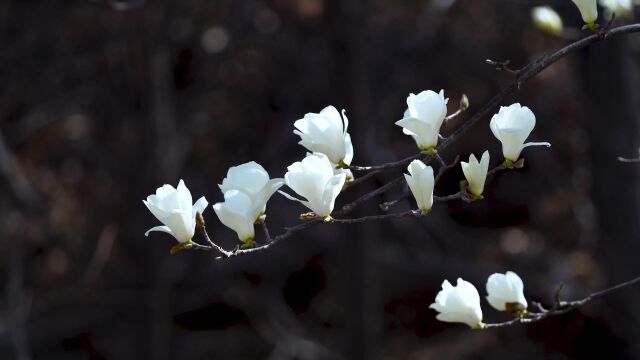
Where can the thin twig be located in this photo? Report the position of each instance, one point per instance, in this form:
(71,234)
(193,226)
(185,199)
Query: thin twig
(444,168)
(523,74)
(265,229)
(456,196)
(625,160)
(390,165)
(352,205)
(562,307)
(409,213)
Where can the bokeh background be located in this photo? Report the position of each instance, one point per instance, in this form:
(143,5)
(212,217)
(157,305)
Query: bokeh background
(103,101)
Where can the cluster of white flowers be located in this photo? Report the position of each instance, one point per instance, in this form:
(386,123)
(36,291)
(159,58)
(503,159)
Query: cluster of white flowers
(511,125)
(461,303)
(319,178)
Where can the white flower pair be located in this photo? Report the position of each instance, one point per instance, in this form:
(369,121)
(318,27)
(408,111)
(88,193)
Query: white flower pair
(246,190)
(426,112)
(320,176)
(461,303)
(421,180)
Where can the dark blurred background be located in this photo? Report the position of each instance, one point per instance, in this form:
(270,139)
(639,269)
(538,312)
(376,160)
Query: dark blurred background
(103,101)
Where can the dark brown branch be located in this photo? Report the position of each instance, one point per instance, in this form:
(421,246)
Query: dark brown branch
(456,196)
(523,75)
(562,307)
(390,165)
(409,213)
(352,205)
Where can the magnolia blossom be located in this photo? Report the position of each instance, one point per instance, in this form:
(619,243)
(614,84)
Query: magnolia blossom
(313,178)
(253,180)
(173,207)
(458,304)
(326,133)
(237,212)
(588,10)
(505,292)
(547,19)
(424,116)
(420,180)
(618,7)
(512,125)
(476,172)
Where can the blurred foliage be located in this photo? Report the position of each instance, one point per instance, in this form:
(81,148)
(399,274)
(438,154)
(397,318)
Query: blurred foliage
(102,102)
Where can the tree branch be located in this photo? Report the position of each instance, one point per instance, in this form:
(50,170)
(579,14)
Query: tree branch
(523,74)
(561,307)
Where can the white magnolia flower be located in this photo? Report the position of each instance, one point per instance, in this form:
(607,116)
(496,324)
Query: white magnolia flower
(505,292)
(512,125)
(253,180)
(618,7)
(588,10)
(423,118)
(420,180)
(459,304)
(326,133)
(547,19)
(313,178)
(476,172)
(173,207)
(237,212)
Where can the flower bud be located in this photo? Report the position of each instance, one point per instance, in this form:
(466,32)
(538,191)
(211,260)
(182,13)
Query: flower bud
(476,173)
(459,304)
(547,19)
(506,292)
(588,10)
(420,180)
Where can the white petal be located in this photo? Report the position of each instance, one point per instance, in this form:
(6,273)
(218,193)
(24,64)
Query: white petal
(159,213)
(249,177)
(544,143)
(200,206)
(348,155)
(159,228)
(236,212)
(261,199)
(423,133)
(331,191)
(182,224)
(345,121)
(484,162)
(184,196)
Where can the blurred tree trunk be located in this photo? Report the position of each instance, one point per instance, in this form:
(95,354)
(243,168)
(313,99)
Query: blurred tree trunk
(611,74)
(362,291)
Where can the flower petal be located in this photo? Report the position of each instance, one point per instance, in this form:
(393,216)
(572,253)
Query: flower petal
(162,228)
